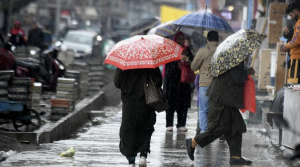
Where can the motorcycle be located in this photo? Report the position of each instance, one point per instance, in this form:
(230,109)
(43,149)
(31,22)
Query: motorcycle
(54,67)
(46,69)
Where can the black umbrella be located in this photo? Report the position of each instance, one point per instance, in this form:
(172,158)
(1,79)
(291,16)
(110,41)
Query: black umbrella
(144,25)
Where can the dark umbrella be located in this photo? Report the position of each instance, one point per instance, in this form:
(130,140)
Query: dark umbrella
(144,24)
(203,20)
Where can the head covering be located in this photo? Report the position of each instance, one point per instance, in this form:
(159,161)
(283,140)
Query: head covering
(17,23)
(177,35)
(188,52)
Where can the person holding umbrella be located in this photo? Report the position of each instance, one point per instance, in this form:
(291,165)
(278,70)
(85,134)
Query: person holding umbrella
(172,90)
(138,118)
(226,94)
(138,59)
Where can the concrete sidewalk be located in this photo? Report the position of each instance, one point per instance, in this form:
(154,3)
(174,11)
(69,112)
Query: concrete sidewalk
(98,146)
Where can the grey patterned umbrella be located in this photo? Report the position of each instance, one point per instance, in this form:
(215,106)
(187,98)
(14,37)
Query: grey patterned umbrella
(233,50)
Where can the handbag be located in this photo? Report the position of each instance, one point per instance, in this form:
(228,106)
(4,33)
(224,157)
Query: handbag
(187,75)
(155,96)
(249,95)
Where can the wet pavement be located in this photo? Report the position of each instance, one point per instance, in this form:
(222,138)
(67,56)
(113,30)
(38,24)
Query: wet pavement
(98,146)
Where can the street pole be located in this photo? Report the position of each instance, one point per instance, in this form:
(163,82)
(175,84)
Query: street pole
(57,18)
(9,15)
(38,11)
(108,21)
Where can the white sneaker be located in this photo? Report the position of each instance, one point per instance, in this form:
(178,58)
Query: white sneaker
(143,161)
(131,165)
(170,128)
(182,128)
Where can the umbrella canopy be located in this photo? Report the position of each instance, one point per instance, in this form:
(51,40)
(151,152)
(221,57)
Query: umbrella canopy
(163,30)
(144,25)
(203,20)
(143,51)
(233,50)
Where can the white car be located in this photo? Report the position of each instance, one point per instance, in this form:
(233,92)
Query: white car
(81,42)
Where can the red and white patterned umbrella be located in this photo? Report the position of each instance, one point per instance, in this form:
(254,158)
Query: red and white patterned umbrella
(143,51)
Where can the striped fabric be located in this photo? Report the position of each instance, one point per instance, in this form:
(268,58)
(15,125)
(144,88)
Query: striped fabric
(165,30)
(203,20)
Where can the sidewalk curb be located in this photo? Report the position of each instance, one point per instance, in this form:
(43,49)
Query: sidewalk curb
(70,123)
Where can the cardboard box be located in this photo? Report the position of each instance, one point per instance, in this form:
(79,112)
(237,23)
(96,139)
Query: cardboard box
(274,31)
(280,77)
(277,11)
(264,69)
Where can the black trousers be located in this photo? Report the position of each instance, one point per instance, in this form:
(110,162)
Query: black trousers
(224,126)
(181,116)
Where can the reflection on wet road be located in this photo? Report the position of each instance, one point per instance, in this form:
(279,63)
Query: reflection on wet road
(98,146)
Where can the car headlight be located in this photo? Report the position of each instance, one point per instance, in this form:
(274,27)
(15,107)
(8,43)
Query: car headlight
(63,47)
(99,38)
(88,51)
(32,52)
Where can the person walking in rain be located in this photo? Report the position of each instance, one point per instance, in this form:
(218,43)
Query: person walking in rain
(226,97)
(36,36)
(138,118)
(293,9)
(172,90)
(201,63)
(17,37)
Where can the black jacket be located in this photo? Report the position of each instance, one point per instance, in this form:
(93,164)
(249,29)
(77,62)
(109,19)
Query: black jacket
(228,88)
(138,118)
(36,38)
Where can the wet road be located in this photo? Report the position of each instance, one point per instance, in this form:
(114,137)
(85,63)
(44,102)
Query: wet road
(98,146)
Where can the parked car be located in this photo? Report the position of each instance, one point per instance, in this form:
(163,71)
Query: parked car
(81,42)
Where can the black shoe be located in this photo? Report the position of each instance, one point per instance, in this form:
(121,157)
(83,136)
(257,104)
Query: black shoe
(242,161)
(222,139)
(190,150)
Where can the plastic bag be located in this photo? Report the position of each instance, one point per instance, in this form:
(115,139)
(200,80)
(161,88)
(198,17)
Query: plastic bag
(187,75)
(69,153)
(249,95)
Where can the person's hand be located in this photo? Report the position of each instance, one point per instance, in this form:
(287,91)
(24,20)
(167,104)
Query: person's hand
(184,58)
(251,71)
(284,49)
(286,30)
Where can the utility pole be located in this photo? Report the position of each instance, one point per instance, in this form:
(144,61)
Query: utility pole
(57,18)
(108,21)
(38,2)
(9,15)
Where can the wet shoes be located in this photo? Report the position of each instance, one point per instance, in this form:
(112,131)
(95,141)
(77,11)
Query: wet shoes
(241,161)
(190,150)
(143,161)
(170,128)
(182,128)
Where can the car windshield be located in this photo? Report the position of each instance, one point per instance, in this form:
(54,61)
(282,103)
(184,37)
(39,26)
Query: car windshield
(79,38)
